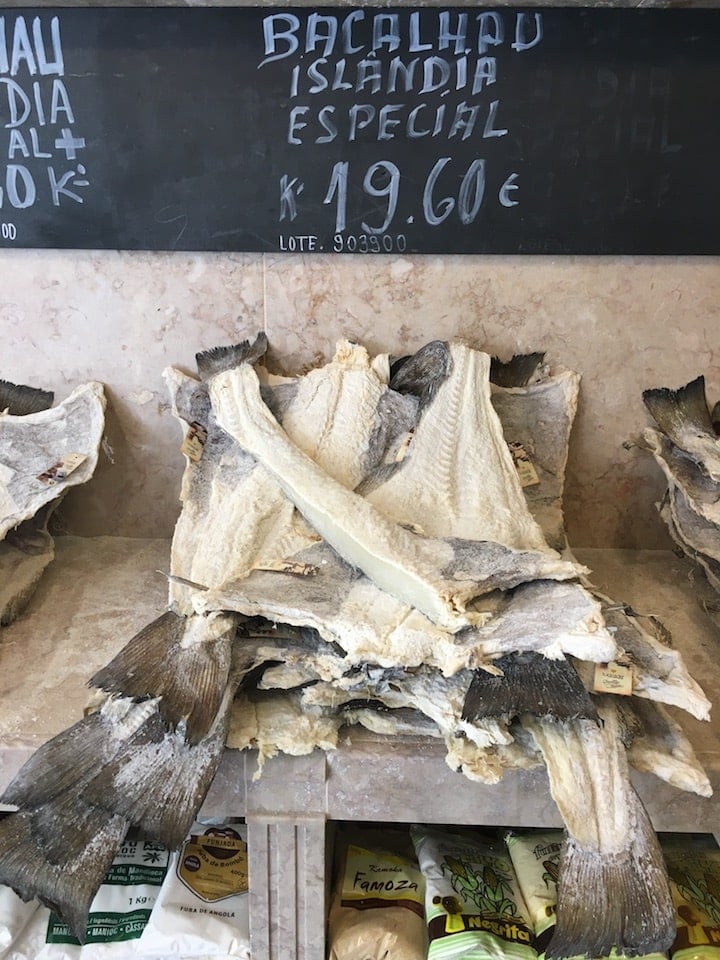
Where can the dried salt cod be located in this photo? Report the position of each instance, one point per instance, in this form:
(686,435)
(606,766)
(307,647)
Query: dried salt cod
(658,670)
(275,723)
(43,452)
(435,577)
(613,890)
(345,608)
(538,419)
(656,744)
(701,493)
(684,418)
(35,451)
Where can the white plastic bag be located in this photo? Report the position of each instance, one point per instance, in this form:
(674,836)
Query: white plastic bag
(202,908)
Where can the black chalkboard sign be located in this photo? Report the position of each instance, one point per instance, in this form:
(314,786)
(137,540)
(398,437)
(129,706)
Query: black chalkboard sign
(371,130)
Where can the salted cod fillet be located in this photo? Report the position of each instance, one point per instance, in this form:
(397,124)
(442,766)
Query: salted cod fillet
(436,577)
(684,418)
(261,530)
(34,437)
(613,889)
(540,417)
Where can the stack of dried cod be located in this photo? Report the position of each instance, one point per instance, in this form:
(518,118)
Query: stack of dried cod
(44,450)
(687,448)
(355,546)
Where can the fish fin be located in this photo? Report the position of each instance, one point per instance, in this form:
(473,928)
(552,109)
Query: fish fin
(68,758)
(516,372)
(422,373)
(158,781)
(715,418)
(529,684)
(189,679)
(68,887)
(674,409)
(20,400)
(217,359)
(620,900)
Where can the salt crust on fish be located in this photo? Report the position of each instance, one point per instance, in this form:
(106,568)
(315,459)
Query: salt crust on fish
(434,576)
(656,744)
(613,890)
(279,724)
(247,512)
(702,493)
(458,478)
(658,669)
(540,418)
(33,444)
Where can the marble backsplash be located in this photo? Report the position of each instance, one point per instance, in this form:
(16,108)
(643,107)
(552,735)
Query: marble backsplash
(624,324)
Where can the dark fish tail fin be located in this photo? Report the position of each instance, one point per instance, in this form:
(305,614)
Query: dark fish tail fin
(159,780)
(183,661)
(516,372)
(529,684)
(67,884)
(218,359)
(620,900)
(673,410)
(20,400)
(422,373)
(64,761)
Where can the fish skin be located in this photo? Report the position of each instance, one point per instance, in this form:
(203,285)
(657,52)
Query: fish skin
(699,534)
(520,370)
(656,744)
(540,417)
(184,662)
(613,889)
(19,400)
(407,566)
(683,472)
(684,418)
(31,444)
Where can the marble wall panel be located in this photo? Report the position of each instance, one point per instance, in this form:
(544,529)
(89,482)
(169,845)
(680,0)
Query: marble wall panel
(624,323)
(121,318)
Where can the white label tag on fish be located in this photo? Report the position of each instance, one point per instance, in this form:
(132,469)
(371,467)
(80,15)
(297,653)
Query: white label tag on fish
(193,446)
(613,678)
(526,471)
(62,469)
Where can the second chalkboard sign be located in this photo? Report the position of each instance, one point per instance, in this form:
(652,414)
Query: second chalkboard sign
(362,130)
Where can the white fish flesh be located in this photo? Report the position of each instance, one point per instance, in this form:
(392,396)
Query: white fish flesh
(436,577)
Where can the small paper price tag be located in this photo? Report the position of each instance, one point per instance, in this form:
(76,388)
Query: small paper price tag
(613,678)
(62,469)
(193,446)
(526,471)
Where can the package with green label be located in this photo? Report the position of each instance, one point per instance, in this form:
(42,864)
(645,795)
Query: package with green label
(694,870)
(473,903)
(535,857)
(202,908)
(377,909)
(117,916)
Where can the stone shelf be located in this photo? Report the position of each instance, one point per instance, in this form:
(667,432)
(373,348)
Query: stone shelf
(100,591)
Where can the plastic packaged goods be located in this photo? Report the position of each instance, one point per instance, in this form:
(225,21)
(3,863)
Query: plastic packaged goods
(118,913)
(377,909)
(473,904)
(202,907)
(14,917)
(694,868)
(535,857)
